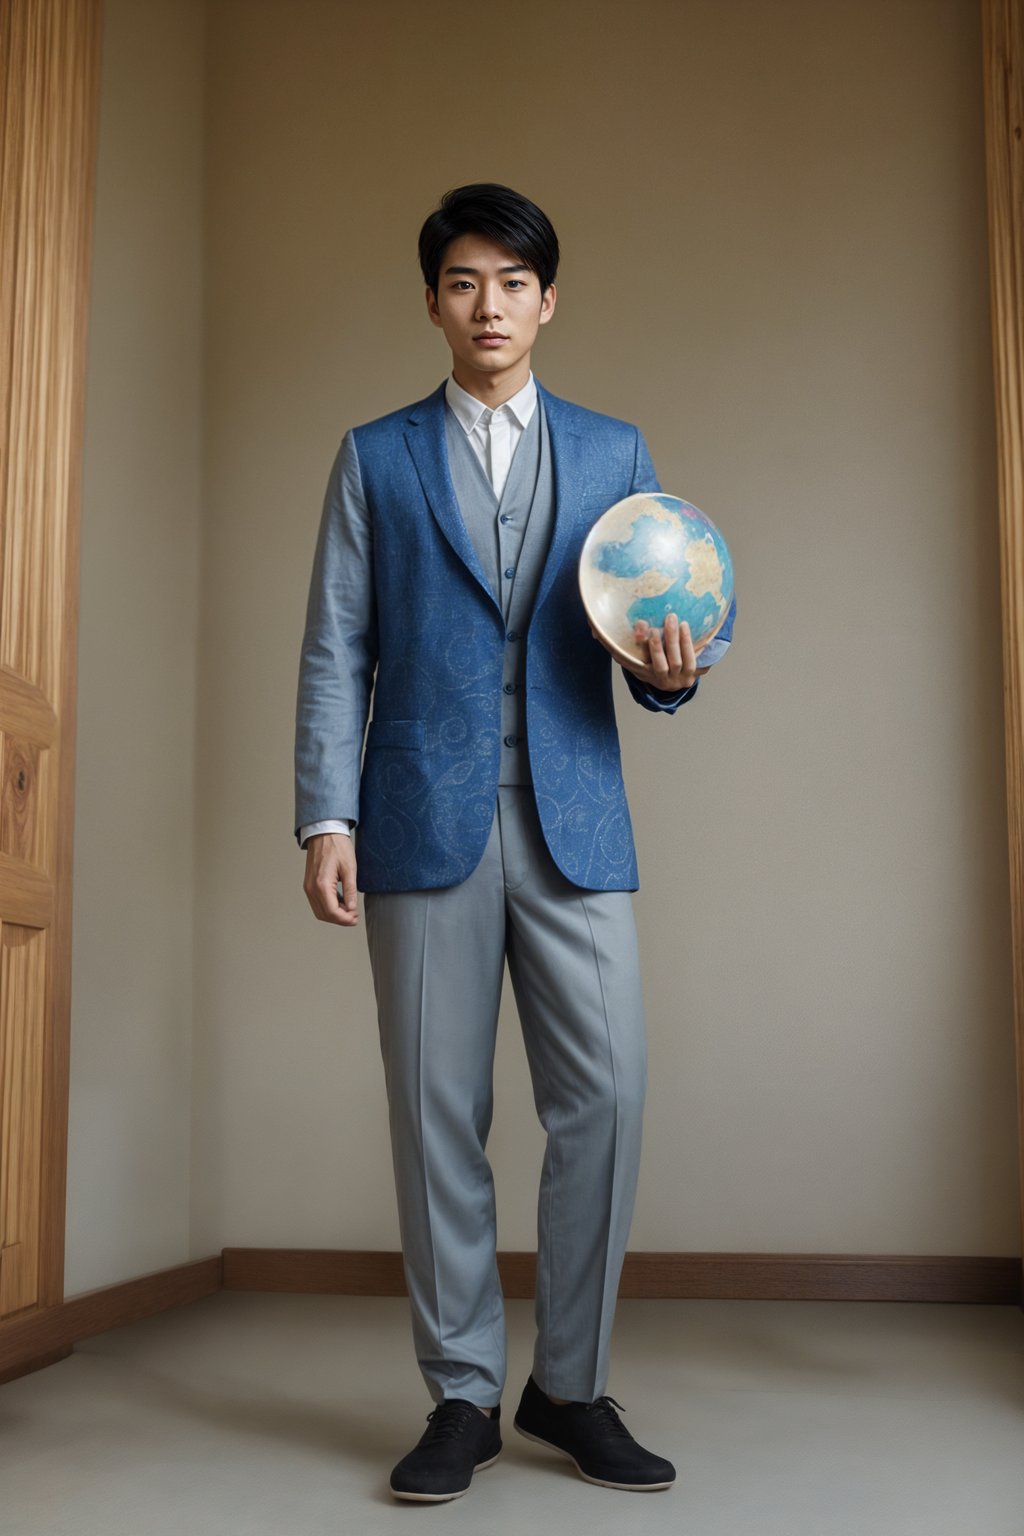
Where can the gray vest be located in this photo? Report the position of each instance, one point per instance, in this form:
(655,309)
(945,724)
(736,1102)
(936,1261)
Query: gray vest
(511,537)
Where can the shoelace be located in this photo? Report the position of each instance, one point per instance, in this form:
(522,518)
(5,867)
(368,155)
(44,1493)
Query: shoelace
(450,1419)
(602,1409)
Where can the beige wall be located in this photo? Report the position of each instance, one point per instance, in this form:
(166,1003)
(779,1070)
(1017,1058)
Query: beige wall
(131,1014)
(773,224)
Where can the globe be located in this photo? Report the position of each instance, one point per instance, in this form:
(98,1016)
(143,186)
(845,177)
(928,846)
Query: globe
(648,556)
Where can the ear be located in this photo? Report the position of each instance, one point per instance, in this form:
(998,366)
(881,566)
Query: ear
(547,304)
(432,309)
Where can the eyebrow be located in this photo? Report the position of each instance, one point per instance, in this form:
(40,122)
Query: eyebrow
(475,271)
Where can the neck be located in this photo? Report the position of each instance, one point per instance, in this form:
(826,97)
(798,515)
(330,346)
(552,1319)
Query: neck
(492,389)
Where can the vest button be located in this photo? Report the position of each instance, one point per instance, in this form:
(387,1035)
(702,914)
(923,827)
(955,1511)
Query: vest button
(510,571)
(512,634)
(510,741)
(504,518)
(509,688)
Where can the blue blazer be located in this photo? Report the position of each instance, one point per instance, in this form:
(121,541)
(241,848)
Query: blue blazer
(399,606)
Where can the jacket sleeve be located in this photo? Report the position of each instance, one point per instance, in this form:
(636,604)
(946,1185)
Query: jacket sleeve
(656,699)
(339,652)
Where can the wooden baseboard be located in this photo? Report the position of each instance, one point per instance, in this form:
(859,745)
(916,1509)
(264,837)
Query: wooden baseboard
(38,1334)
(706,1276)
(35,1339)
(26,1367)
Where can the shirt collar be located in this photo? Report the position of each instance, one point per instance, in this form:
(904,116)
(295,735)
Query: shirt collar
(468,409)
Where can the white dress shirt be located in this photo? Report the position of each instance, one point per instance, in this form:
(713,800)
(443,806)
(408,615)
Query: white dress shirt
(493,434)
(494,437)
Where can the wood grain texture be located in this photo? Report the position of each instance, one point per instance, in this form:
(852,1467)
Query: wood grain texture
(1003,74)
(22,1009)
(26,893)
(49,89)
(25,710)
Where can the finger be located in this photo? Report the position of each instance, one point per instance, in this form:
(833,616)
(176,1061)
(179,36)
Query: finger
(334,908)
(328,905)
(689,657)
(659,661)
(671,642)
(641,639)
(640,667)
(348,883)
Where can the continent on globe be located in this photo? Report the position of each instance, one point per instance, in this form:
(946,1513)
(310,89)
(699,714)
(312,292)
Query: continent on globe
(650,555)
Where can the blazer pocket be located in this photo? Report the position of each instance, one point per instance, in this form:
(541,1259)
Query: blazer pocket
(395,733)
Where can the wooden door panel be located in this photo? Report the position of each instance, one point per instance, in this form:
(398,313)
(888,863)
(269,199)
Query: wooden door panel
(49,80)
(22,1021)
(28,732)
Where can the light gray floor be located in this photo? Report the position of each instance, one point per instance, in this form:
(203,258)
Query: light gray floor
(245,1414)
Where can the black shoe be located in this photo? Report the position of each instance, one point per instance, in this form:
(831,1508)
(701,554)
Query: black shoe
(459,1441)
(595,1438)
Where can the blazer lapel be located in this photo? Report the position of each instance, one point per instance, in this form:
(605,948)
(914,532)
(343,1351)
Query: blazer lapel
(424,436)
(567,466)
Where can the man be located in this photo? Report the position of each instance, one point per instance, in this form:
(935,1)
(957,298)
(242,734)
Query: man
(490,823)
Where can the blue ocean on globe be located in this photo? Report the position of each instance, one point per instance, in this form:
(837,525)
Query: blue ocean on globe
(676,549)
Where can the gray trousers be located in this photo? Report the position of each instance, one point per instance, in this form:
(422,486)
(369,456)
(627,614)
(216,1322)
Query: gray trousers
(438,959)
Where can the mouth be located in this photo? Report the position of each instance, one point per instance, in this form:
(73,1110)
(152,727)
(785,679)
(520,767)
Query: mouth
(490,336)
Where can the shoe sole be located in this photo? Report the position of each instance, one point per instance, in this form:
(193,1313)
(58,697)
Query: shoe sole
(602,1482)
(439,1498)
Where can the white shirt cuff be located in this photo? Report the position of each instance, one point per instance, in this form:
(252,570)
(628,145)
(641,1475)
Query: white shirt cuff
(344,825)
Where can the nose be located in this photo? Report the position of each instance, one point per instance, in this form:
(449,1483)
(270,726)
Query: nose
(489,304)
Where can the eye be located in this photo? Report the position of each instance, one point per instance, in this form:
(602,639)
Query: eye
(516,282)
(462,282)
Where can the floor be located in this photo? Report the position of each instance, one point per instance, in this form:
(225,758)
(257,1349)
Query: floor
(244,1414)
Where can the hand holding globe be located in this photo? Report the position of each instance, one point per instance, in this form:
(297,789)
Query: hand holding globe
(671,662)
(656,580)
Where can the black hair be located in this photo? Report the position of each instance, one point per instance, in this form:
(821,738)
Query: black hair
(498,213)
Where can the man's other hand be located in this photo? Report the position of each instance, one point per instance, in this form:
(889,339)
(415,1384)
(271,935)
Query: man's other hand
(671,661)
(330,858)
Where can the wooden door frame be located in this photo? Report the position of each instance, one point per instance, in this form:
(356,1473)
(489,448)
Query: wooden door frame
(1002,24)
(83,19)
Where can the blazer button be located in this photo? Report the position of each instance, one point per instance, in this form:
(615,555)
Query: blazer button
(510,688)
(510,741)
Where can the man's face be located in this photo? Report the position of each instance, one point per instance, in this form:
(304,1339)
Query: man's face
(490,308)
